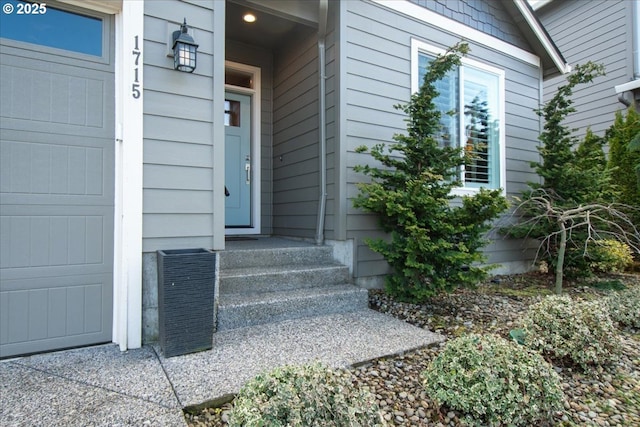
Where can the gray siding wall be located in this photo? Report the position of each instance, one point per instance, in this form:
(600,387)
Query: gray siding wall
(295,139)
(487,16)
(178,131)
(262,58)
(377,74)
(598,31)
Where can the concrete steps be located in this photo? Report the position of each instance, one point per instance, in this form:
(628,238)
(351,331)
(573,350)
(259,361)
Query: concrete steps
(273,280)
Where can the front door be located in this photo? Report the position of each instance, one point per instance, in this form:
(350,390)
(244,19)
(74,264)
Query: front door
(238,160)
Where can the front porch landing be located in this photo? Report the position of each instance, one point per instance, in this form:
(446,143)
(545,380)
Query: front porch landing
(339,340)
(103,386)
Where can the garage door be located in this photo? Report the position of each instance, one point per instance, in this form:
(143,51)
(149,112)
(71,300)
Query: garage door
(56,180)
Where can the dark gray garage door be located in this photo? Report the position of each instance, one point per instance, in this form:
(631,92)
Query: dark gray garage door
(56,184)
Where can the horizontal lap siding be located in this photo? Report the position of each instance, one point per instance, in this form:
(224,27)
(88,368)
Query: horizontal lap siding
(178,132)
(598,31)
(259,57)
(378,76)
(295,139)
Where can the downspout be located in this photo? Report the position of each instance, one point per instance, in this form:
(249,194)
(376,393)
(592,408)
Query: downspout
(624,100)
(322,119)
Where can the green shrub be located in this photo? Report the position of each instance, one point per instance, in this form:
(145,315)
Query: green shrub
(624,158)
(304,396)
(492,381)
(571,332)
(624,307)
(434,242)
(609,256)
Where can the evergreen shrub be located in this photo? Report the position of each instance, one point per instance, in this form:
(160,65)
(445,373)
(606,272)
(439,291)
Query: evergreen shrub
(304,396)
(624,307)
(493,382)
(609,256)
(434,239)
(571,333)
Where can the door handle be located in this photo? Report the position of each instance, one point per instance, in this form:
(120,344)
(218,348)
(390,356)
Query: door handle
(247,168)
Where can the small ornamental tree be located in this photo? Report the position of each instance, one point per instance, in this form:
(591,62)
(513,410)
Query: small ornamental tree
(434,244)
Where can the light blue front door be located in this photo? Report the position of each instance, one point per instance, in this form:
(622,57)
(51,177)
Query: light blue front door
(238,160)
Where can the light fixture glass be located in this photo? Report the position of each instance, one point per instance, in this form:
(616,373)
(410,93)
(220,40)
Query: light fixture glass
(184,50)
(249,17)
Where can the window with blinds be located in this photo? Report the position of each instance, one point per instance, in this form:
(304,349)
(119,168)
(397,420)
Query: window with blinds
(471,101)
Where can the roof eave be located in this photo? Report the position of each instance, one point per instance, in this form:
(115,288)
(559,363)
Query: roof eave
(553,63)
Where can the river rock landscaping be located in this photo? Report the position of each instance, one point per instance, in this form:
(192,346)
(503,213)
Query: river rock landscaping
(602,396)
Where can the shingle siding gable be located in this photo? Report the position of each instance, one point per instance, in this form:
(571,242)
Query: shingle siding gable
(486,16)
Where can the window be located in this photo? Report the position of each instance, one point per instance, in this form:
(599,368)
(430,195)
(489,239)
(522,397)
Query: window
(471,101)
(231,113)
(52,27)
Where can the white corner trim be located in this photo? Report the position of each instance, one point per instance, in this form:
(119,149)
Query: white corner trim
(127,275)
(420,13)
(537,4)
(625,87)
(542,36)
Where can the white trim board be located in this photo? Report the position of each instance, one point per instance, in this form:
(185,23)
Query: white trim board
(542,36)
(448,25)
(256,156)
(104,6)
(127,271)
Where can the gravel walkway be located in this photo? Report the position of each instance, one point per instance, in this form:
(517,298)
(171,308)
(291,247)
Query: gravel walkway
(605,397)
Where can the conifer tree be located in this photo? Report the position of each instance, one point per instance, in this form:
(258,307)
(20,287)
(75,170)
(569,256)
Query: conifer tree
(434,242)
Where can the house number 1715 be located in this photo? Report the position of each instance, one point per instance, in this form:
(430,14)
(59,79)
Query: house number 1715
(135,86)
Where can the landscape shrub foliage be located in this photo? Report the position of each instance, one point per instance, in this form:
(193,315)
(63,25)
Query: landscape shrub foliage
(304,396)
(576,173)
(624,307)
(624,159)
(434,241)
(571,333)
(609,256)
(493,382)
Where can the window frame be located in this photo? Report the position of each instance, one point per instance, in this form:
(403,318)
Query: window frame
(420,47)
(107,29)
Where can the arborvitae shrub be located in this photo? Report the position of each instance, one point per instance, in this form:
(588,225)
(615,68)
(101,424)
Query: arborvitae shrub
(623,160)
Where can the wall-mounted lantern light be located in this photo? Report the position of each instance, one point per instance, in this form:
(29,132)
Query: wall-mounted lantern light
(184,50)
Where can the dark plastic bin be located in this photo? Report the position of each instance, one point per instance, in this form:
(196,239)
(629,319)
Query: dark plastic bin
(186,286)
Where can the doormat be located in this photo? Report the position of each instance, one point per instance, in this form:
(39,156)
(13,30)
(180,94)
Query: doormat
(239,239)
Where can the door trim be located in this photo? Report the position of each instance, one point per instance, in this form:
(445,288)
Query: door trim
(254,93)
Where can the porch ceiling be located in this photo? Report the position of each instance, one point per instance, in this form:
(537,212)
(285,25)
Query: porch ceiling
(271,30)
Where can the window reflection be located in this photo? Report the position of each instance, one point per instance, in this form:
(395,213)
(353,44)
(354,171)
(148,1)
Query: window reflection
(479,119)
(55,28)
(231,113)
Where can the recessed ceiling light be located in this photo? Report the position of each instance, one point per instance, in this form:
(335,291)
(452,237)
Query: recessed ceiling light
(249,17)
